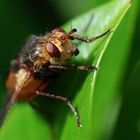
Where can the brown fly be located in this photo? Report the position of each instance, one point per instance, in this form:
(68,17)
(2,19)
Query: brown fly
(39,61)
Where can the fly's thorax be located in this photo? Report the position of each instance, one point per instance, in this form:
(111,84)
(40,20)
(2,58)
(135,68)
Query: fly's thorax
(31,55)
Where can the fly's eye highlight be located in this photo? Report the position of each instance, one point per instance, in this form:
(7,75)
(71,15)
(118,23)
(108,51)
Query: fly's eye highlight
(52,50)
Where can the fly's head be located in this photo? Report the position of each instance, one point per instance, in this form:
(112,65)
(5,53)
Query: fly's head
(59,46)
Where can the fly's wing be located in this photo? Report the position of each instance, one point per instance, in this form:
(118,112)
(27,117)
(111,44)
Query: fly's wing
(23,58)
(30,42)
(3,113)
(27,54)
(12,100)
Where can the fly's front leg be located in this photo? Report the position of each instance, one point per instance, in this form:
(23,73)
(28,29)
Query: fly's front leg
(83,30)
(88,40)
(64,99)
(73,67)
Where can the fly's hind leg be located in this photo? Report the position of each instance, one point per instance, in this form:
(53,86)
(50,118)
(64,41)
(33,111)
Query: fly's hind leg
(64,99)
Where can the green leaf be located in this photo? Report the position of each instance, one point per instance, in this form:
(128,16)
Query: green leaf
(109,97)
(129,119)
(85,96)
(24,123)
(80,84)
(127,125)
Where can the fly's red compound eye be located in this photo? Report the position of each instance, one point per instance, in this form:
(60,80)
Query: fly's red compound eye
(52,50)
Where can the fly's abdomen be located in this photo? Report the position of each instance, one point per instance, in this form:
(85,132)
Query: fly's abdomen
(30,85)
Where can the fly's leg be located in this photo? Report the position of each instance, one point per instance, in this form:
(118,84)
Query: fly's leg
(64,99)
(87,25)
(88,40)
(73,67)
(85,29)
(78,37)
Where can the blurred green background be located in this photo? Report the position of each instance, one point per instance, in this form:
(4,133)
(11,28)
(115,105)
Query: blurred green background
(18,19)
